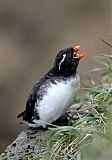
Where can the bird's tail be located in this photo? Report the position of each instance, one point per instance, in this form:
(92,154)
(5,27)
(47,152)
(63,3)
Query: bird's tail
(21,114)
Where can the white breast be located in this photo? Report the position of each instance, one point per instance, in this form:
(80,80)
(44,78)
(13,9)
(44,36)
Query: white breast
(57,100)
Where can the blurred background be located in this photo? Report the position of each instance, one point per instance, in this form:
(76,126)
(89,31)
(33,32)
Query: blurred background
(31,34)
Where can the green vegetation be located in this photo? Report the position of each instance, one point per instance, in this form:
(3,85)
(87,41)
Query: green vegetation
(90,136)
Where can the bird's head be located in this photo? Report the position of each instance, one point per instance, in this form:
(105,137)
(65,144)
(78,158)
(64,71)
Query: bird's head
(67,60)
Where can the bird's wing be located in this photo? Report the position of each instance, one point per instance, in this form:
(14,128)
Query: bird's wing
(35,95)
(30,104)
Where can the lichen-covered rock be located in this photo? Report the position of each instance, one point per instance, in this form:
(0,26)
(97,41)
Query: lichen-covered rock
(29,143)
(32,142)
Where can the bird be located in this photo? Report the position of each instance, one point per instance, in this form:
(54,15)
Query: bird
(54,93)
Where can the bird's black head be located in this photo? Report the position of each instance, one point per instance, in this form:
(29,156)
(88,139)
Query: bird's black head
(67,60)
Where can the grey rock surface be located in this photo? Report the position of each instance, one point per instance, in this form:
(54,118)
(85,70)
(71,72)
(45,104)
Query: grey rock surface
(32,142)
(29,143)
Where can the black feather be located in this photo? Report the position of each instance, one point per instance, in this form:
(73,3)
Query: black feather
(21,114)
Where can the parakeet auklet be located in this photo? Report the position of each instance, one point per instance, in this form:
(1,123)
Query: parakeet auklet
(53,94)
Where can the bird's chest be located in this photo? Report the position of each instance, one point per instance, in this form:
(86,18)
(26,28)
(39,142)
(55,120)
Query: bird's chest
(59,97)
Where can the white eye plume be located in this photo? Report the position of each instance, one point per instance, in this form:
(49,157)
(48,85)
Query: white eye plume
(64,56)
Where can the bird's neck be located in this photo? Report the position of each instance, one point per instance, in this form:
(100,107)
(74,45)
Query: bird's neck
(56,73)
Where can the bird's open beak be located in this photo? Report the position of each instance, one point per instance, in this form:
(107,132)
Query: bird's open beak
(76,49)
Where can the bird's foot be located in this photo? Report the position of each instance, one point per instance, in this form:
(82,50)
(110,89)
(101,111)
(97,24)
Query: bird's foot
(64,120)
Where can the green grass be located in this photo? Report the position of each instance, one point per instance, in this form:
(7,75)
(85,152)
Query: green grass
(72,142)
(89,137)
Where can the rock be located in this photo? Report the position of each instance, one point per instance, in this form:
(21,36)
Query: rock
(29,143)
(32,142)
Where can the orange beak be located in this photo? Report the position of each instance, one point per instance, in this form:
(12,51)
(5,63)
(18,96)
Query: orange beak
(79,56)
(76,49)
